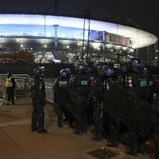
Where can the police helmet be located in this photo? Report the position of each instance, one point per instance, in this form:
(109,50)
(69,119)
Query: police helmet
(101,69)
(90,70)
(136,63)
(39,71)
(68,70)
(95,65)
(76,65)
(124,68)
(63,73)
(80,66)
(110,71)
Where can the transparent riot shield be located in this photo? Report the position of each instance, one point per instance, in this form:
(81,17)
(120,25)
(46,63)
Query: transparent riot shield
(72,103)
(131,110)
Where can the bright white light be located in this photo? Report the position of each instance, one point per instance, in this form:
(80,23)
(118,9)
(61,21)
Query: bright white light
(138,37)
(56,61)
(96,45)
(131,50)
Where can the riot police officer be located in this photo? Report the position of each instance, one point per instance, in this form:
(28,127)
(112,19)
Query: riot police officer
(80,84)
(137,84)
(60,94)
(156,124)
(136,80)
(38,100)
(153,99)
(113,121)
(95,98)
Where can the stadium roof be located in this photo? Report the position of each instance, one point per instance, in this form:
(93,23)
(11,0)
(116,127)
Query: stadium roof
(71,8)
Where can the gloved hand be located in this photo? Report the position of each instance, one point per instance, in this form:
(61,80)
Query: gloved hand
(44,101)
(55,107)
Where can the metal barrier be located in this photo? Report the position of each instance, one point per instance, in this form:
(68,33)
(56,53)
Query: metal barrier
(51,69)
(23,84)
(22,80)
(49,87)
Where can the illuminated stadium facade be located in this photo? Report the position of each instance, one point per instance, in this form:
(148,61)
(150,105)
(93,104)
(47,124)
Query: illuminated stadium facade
(42,34)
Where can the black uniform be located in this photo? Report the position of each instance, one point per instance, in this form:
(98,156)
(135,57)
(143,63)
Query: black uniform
(38,101)
(156,127)
(113,121)
(153,99)
(60,95)
(136,82)
(80,84)
(95,98)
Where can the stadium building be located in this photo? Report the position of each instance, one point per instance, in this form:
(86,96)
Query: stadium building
(58,37)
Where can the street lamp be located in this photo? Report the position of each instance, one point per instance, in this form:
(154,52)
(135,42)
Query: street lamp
(55,38)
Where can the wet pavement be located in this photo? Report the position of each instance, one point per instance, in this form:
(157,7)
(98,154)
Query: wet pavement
(18,142)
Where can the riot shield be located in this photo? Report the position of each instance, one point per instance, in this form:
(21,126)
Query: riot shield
(72,103)
(133,111)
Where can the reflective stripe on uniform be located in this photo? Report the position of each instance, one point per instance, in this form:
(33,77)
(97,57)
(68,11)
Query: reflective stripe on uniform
(9,82)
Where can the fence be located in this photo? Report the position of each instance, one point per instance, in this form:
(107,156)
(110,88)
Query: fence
(52,69)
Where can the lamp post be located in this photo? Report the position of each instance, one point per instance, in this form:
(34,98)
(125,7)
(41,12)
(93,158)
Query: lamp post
(88,54)
(55,38)
(83,39)
(87,15)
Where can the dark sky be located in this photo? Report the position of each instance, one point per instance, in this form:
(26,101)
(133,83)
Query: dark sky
(137,13)
(142,13)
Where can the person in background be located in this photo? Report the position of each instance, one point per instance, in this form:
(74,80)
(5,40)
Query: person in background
(10,89)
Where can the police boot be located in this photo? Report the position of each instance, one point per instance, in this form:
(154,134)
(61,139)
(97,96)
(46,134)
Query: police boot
(113,144)
(34,122)
(41,124)
(78,132)
(141,149)
(133,143)
(132,152)
(71,124)
(156,156)
(113,140)
(97,138)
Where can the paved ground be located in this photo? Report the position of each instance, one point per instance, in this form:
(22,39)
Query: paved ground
(18,142)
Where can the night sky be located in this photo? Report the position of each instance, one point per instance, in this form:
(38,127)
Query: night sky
(142,14)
